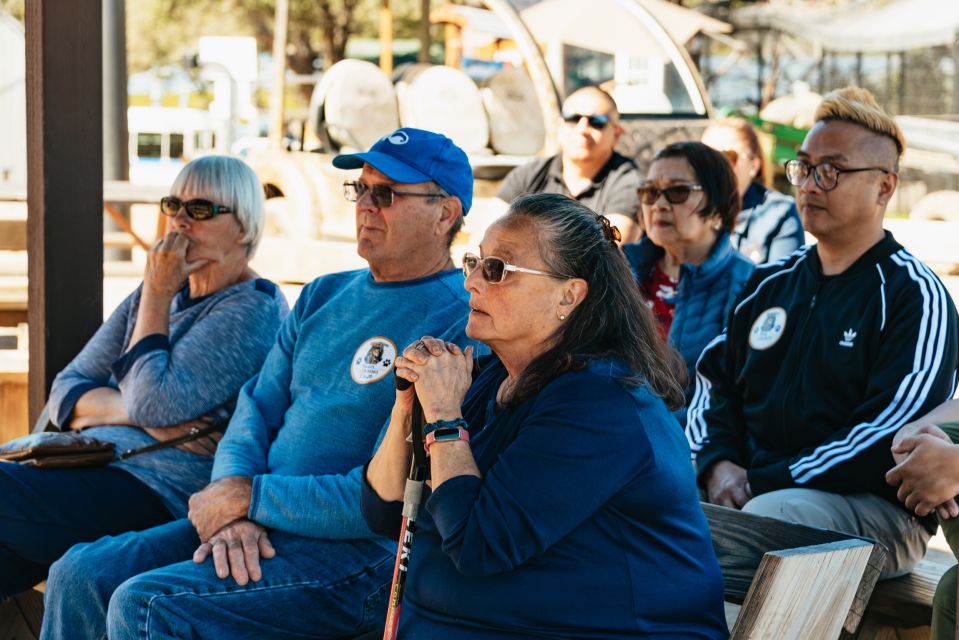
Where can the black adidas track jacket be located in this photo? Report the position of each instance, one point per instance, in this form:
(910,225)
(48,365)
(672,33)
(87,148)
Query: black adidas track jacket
(815,374)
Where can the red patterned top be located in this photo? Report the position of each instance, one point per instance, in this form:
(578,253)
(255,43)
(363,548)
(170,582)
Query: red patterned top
(658,288)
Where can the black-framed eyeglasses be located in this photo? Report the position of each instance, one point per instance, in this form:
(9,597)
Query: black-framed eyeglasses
(197,209)
(675,194)
(825,174)
(598,121)
(494,269)
(381,194)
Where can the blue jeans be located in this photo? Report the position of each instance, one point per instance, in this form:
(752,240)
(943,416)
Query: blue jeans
(43,512)
(312,588)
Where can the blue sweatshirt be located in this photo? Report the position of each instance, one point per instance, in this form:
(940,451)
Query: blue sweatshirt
(585,524)
(215,344)
(307,423)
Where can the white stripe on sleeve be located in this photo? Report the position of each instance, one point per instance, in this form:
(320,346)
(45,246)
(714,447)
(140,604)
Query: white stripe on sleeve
(912,391)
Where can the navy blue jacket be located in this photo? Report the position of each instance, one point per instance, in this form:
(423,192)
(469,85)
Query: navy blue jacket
(585,523)
(704,297)
(768,227)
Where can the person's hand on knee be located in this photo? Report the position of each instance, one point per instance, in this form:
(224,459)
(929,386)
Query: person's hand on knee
(728,485)
(913,429)
(236,550)
(927,476)
(219,504)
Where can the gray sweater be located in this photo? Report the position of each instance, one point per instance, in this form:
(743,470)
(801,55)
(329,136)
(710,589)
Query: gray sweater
(215,343)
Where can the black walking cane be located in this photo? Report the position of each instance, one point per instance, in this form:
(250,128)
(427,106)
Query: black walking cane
(412,496)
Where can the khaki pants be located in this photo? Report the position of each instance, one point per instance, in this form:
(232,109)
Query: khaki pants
(863,514)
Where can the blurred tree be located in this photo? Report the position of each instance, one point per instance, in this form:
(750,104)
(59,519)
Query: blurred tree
(13,7)
(163,31)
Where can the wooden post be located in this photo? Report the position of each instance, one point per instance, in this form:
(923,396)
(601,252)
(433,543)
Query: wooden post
(769,88)
(65,185)
(760,63)
(859,68)
(386,38)
(115,149)
(902,83)
(888,101)
(955,74)
(424,55)
(281,23)
(453,56)
(821,80)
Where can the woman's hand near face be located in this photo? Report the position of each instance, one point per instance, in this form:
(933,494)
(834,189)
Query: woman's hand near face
(442,373)
(166,271)
(167,267)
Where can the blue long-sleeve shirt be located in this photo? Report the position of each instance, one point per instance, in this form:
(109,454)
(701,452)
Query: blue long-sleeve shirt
(585,523)
(307,423)
(215,344)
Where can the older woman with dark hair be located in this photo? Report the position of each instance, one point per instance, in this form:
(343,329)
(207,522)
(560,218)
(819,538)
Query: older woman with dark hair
(168,363)
(687,269)
(563,503)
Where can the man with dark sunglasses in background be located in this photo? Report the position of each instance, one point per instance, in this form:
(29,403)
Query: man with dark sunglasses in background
(586,168)
(830,351)
(278,543)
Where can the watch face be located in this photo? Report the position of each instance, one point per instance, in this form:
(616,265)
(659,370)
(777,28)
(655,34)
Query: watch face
(446,433)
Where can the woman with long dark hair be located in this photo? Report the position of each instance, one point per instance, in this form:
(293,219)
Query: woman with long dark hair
(563,502)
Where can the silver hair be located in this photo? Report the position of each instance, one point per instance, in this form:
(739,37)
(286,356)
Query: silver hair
(228,181)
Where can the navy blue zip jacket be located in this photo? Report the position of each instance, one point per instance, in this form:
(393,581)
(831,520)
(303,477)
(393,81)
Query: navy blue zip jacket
(704,297)
(585,523)
(816,373)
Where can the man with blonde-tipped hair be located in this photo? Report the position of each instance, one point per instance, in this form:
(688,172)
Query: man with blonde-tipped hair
(829,351)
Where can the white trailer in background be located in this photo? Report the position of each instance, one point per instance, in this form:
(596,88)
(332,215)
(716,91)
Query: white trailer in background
(13,102)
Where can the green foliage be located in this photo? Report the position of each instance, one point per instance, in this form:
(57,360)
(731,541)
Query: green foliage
(163,31)
(13,7)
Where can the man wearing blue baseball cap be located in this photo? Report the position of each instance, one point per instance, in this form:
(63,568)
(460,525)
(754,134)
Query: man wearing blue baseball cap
(278,543)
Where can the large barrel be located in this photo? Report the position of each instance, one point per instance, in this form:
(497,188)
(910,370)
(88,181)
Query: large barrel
(353,106)
(444,100)
(516,124)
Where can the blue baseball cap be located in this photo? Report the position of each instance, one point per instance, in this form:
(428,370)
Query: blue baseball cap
(415,155)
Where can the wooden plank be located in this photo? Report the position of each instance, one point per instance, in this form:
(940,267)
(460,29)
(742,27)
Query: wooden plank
(115,191)
(741,539)
(65,184)
(803,593)
(20,616)
(13,235)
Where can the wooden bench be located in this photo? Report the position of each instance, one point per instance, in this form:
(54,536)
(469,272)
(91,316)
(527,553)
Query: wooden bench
(794,582)
(906,602)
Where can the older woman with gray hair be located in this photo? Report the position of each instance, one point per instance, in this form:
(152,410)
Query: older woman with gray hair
(168,362)
(562,500)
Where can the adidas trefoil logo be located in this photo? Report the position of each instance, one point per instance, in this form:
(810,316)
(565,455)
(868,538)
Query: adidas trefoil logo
(847,337)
